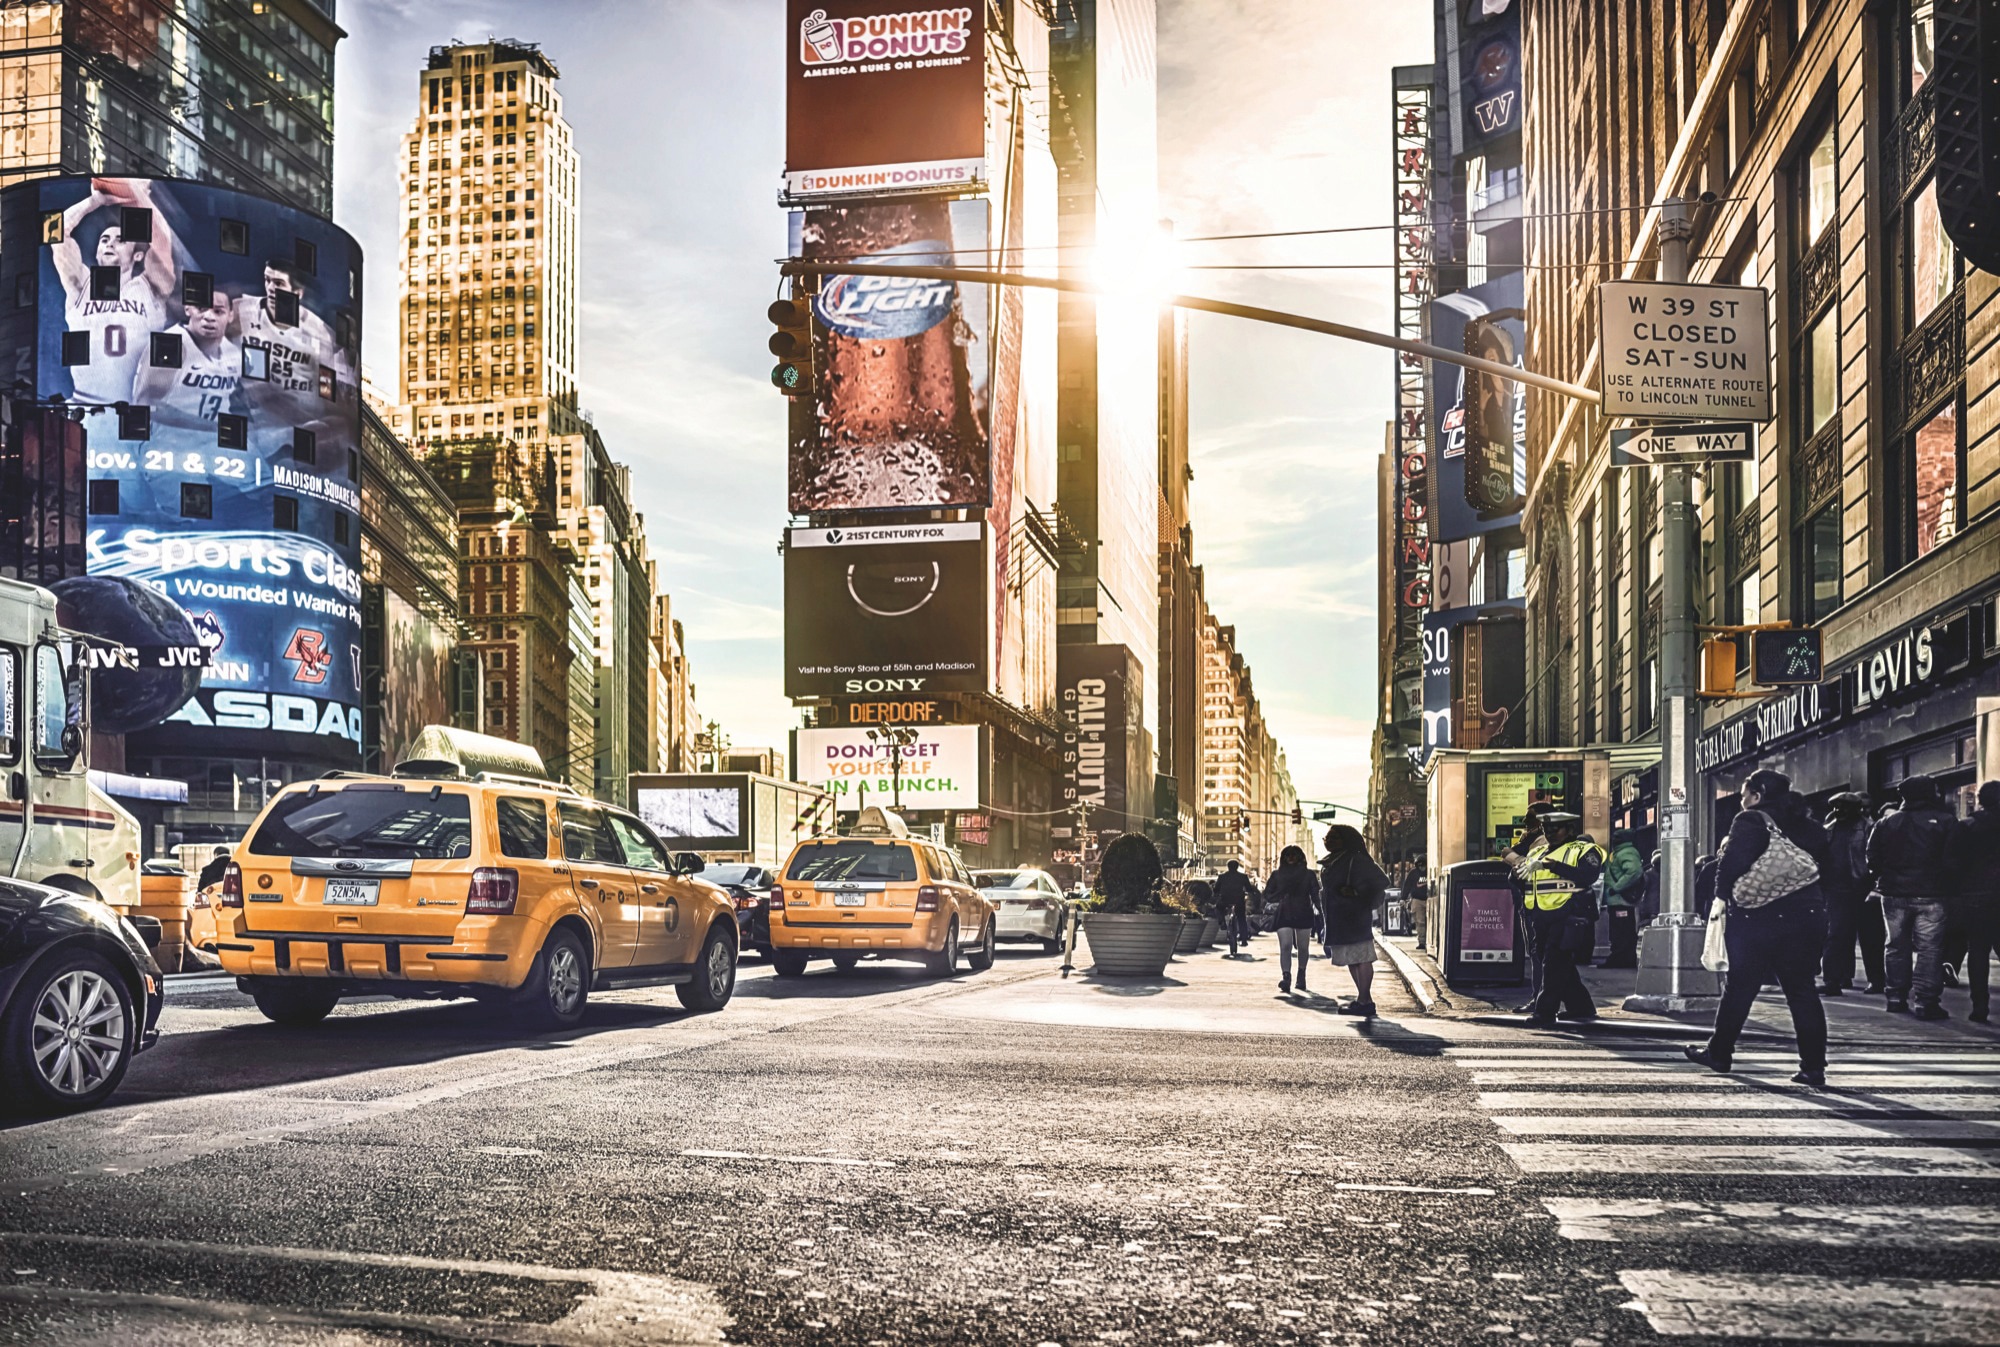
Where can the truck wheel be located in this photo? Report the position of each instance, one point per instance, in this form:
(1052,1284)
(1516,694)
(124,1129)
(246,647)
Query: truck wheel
(714,974)
(944,963)
(67,1039)
(557,986)
(789,963)
(981,956)
(295,1002)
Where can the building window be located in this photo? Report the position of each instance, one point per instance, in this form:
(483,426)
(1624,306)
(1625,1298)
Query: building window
(284,513)
(102,496)
(1817,574)
(233,236)
(197,500)
(1815,384)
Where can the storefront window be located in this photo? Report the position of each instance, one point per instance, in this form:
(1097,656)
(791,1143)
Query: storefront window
(1936,479)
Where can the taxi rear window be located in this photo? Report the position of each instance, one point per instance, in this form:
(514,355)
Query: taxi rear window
(367,823)
(861,861)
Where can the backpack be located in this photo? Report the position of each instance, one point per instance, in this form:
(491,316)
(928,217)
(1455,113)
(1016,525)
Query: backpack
(1784,868)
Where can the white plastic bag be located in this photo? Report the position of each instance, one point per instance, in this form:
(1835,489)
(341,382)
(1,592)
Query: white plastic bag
(1714,952)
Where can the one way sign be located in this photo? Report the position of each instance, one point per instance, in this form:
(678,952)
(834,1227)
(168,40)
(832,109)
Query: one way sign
(1711,442)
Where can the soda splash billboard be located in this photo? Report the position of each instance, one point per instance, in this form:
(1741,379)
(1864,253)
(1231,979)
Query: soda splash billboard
(892,610)
(882,97)
(1479,461)
(904,366)
(234,321)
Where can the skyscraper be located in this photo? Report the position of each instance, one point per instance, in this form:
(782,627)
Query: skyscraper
(235,93)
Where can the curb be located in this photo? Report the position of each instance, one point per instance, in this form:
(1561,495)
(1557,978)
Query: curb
(1416,979)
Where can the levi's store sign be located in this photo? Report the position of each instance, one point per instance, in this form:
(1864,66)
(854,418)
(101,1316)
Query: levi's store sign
(1910,663)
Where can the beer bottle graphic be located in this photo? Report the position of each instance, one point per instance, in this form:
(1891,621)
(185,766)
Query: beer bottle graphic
(894,425)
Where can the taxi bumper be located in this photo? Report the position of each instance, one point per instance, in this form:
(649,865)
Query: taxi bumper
(478,953)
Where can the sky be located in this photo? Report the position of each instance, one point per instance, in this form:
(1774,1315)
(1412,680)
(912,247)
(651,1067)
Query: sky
(1273,116)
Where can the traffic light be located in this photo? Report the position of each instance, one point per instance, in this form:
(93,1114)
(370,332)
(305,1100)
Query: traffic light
(1718,666)
(1242,821)
(1298,816)
(1967,76)
(792,343)
(1784,657)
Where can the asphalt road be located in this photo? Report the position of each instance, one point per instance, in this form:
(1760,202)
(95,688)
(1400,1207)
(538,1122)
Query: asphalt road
(1000,1158)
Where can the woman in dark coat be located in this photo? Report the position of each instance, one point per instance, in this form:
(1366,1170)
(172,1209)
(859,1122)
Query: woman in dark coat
(1294,894)
(1351,886)
(1780,940)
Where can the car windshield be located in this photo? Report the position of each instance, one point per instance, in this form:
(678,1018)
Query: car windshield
(731,874)
(386,824)
(874,862)
(1003,879)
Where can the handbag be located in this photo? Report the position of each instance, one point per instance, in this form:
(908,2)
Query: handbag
(1714,950)
(1783,868)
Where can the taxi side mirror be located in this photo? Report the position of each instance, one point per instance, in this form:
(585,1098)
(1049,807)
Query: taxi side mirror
(689,863)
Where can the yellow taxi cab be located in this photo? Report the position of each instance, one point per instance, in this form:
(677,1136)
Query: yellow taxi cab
(877,892)
(465,872)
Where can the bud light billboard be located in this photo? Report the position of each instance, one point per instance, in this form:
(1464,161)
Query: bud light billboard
(902,367)
(210,342)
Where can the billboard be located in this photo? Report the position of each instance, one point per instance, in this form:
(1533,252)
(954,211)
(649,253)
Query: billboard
(1475,667)
(904,366)
(417,673)
(1490,51)
(234,321)
(940,770)
(896,609)
(695,813)
(1479,468)
(1098,694)
(883,96)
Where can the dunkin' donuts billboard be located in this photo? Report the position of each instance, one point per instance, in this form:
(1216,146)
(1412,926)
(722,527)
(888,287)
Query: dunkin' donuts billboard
(902,413)
(882,97)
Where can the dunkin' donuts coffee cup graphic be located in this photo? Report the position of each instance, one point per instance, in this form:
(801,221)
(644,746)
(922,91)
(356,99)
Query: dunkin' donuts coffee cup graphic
(901,416)
(819,39)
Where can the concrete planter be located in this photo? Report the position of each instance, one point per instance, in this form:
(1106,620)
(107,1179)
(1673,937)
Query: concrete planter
(1190,937)
(1211,929)
(1134,945)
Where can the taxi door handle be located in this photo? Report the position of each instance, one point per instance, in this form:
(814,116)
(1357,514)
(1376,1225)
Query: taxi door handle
(649,888)
(588,883)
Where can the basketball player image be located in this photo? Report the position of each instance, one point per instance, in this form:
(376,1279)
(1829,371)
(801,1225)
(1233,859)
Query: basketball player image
(282,359)
(210,379)
(120,329)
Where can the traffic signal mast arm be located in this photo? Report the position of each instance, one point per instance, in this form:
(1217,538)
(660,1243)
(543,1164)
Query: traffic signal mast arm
(1277,317)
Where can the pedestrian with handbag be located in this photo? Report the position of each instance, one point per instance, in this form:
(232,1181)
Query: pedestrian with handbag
(1768,878)
(1351,886)
(1295,891)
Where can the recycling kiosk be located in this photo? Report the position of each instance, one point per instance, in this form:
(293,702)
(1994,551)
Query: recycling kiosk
(1482,937)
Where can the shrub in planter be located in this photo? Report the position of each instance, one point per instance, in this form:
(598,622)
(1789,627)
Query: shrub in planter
(1130,876)
(1130,928)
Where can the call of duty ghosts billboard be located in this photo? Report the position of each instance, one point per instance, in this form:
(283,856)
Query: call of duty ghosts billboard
(904,366)
(234,323)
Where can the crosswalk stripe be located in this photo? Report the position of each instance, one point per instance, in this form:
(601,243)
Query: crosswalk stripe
(1690,1222)
(1571,1157)
(1788,1128)
(1737,1101)
(1821,1308)
(1696,1076)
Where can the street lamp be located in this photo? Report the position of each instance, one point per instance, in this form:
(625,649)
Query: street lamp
(895,738)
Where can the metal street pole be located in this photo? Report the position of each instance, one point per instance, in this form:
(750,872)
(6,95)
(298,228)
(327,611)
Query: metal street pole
(1670,973)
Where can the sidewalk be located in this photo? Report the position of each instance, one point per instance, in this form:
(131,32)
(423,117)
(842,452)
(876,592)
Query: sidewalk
(1852,1018)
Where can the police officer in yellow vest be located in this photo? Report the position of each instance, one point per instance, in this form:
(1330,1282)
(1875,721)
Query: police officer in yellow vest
(1561,913)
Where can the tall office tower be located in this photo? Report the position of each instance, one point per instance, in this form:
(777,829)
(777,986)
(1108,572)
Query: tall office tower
(233,93)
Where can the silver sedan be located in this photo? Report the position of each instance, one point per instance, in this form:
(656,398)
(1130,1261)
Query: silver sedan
(1027,905)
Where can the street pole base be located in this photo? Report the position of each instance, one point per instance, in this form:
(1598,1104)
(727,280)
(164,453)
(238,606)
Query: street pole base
(1671,1005)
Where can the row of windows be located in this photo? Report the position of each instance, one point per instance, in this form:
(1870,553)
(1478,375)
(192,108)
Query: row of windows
(198,502)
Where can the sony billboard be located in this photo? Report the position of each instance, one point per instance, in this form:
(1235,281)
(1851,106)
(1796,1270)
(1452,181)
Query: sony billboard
(887,610)
(220,334)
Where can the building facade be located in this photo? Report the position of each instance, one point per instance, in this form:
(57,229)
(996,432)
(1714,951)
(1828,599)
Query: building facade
(1870,509)
(236,93)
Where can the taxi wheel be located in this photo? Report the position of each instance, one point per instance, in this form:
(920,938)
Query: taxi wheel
(788,963)
(845,962)
(944,963)
(558,984)
(714,974)
(294,1001)
(67,1038)
(980,957)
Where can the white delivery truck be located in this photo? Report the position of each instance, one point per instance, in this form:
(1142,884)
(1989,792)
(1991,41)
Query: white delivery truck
(56,828)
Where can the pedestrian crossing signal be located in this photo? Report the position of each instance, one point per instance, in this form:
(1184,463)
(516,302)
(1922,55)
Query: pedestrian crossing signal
(792,343)
(1786,657)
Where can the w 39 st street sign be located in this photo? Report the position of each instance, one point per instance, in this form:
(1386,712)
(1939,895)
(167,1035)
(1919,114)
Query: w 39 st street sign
(1709,442)
(1687,352)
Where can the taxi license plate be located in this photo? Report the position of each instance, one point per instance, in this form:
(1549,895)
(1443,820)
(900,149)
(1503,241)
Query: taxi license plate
(850,900)
(352,892)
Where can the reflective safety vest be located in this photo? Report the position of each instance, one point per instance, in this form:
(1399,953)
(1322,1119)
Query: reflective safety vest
(1548,891)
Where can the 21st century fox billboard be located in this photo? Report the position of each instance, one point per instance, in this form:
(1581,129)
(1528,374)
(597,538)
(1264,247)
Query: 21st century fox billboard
(235,322)
(883,97)
(900,608)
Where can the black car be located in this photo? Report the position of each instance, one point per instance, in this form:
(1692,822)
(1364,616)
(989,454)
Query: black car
(749,887)
(79,995)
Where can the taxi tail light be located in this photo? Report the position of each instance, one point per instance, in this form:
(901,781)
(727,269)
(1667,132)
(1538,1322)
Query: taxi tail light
(493,892)
(232,885)
(777,898)
(927,898)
